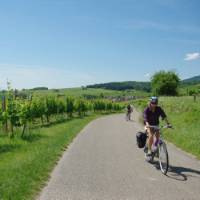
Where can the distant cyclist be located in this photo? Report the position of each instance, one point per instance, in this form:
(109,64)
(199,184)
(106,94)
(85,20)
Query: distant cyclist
(152,113)
(129,111)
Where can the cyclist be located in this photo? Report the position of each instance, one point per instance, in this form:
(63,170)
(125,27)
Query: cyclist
(129,111)
(152,113)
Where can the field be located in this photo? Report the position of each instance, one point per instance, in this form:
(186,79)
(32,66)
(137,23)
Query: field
(87,92)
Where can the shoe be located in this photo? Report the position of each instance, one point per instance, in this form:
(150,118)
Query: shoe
(145,149)
(148,158)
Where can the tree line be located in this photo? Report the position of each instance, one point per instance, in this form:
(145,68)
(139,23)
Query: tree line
(127,85)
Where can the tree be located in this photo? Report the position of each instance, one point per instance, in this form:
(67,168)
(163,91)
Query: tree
(165,83)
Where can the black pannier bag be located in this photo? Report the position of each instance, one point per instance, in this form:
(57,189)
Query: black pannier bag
(141,138)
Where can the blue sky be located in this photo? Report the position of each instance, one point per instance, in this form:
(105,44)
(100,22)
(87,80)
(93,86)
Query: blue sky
(69,43)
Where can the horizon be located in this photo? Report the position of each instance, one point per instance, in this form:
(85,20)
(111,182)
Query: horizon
(69,44)
(43,86)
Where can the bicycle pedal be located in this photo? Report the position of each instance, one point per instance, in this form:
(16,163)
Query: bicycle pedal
(148,159)
(145,149)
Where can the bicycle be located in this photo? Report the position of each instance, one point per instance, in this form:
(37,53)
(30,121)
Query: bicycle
(159,151)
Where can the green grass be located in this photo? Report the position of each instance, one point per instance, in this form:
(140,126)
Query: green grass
(25,164)
(184,114)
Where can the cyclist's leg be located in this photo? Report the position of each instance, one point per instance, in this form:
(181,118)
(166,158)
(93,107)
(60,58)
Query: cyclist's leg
(150,140)
(157,135)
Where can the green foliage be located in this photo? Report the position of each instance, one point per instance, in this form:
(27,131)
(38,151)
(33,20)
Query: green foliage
(51,107)
(165,83)
(70,106)
(116,107)
(12,110)
(81,107)
(61,106)
(37,108)
(99,105)
(193,92)
(26,113)
(109,106)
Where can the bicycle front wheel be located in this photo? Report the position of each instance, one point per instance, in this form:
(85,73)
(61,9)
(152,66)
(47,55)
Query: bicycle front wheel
(163,158)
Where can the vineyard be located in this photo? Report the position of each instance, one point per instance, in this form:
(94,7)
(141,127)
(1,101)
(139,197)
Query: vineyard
(35,129)
(19,114)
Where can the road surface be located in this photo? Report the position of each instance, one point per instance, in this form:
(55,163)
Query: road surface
(104,163)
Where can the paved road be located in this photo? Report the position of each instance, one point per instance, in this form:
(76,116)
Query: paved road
(103,163)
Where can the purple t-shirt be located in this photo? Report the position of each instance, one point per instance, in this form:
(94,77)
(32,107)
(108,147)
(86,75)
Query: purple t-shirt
(153,117)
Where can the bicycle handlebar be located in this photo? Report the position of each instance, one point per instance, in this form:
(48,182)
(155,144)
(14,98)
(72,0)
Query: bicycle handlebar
(158,128)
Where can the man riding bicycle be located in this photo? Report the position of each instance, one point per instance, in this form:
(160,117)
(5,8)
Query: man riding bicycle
(152,113)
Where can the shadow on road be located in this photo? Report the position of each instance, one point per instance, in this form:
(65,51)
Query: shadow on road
(182,173)
(130,120)
(179,173)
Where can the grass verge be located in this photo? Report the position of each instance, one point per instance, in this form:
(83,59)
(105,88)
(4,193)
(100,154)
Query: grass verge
(25,165)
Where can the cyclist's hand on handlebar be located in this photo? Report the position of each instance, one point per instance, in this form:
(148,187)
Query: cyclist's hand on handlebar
(169,126)
(147,126)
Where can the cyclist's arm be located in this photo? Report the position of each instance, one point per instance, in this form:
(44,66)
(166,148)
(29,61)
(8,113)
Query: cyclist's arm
(166,120)
(164,116)
(146,123)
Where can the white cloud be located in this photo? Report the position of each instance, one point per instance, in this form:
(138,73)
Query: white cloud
(22,76)
(147,75)
(192,56)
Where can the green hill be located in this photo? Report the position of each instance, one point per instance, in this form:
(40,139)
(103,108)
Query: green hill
(127,85)
(191,81)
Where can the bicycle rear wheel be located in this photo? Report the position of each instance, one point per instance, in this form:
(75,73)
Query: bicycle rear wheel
(163,158)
